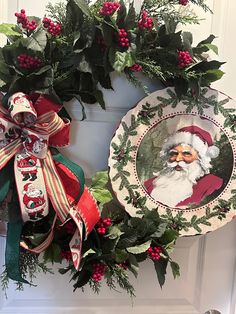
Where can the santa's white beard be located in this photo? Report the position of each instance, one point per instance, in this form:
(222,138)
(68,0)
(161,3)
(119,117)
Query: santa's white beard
(34,193)
(172,186)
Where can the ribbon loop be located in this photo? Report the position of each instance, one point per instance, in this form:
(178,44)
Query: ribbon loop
(21,109)
(26,132)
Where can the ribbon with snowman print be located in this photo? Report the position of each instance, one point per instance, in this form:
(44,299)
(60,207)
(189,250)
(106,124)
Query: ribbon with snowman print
(27,131)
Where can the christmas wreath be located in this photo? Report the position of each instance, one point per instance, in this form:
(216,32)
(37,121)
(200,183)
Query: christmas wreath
(70,53)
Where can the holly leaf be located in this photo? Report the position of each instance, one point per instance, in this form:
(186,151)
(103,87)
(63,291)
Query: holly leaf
(82,277)
(175,269)
(121,14)
(160,267)
(121,256)
(168,237)
(212,75)
(37,238)
(121,60)
(114,232)
(37,41)
(100,179)
(212,47)
(99,98)
(53,253)
(82,5)
(103,196)
(139,248)
(208,40)
(130,20)
(90,251)
(134,266)
(10,30)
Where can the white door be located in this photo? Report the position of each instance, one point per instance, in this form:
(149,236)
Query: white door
(208,263)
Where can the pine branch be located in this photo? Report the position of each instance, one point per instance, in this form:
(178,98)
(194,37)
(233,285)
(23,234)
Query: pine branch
(57,12)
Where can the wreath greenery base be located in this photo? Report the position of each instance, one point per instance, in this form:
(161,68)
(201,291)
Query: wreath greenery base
(71,56)
(112,253)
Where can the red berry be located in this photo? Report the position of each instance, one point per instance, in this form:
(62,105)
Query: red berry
(154,253)
(184,59)
(136,67)
(145,21)
(123,40)
(108,8)
(183,2)
(28,62)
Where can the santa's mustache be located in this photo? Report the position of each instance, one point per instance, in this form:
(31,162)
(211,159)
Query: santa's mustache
(174,164)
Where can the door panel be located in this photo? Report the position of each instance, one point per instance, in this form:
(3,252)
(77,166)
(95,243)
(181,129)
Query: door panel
(207,262)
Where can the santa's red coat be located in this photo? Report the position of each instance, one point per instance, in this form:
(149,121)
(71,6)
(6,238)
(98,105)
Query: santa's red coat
(27,165)
(204,187)
(34,204)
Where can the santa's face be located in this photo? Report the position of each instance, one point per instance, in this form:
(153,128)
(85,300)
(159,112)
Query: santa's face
(175,182)
(182,153)
(33,192)
(38,147)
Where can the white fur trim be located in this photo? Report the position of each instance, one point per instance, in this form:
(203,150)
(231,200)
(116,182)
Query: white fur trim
(213,152)
(185,138)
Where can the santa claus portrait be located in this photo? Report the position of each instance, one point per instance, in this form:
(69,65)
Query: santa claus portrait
(186,167)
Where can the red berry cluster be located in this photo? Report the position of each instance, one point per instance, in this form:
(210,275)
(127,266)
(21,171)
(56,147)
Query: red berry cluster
(154,253)
(145,21)
(24,21)
(98,271)
(53,28)
(108,8)
(123,39)
(102,225)
(136,67)
(183,2)
(28,62)
(66,255)
(184,59)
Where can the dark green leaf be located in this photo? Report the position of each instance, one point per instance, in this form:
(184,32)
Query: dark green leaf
(160,267)
(37,238)
(209,40)
(121,256)
(99,97)
(175,269)
(121,15)
(181,86)
(82,5)
(82,278)
(212,76)
(53,253)
(37,41)
(169,236)
(130,20)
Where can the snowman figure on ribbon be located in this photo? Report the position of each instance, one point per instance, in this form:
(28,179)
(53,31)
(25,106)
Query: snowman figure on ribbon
(34,201)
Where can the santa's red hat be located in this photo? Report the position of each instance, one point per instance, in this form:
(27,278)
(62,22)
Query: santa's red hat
(27,187)
(31,139)
(196,137)
(2,128)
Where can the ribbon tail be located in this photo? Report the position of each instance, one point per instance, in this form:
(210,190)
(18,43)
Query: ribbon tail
(6,177)
(74,168)
(12,253)
(76,247)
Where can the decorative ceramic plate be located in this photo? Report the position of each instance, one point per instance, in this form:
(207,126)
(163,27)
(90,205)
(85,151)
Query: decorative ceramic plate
(178,157)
